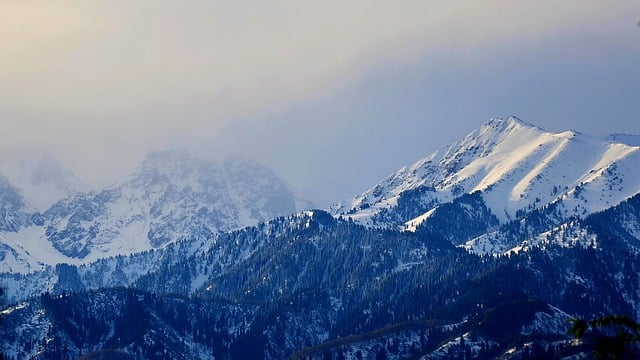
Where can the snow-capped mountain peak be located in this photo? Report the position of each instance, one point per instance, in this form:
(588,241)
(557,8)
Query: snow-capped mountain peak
(516,166)
(171,167)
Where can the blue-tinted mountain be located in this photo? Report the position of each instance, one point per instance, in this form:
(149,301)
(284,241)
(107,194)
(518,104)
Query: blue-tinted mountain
(430,264)
(519,171)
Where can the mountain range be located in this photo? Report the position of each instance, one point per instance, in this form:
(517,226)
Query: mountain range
(483,249)
(171,196)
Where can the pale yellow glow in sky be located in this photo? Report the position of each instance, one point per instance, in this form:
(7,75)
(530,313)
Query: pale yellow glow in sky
(94,57)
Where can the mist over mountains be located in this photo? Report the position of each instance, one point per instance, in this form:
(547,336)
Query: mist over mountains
(482,249)
(172,195)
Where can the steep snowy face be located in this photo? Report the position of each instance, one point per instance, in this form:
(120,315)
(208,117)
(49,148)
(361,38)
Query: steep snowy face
(475,162)
(243,191)
(258,192)
(40,177)
(179,196)
(13,212)
(517,167)
(171,196)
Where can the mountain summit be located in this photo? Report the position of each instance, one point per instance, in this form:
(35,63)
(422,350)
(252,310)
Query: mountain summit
(515,167)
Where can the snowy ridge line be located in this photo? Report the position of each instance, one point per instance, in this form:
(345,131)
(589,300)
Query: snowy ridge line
(516,166)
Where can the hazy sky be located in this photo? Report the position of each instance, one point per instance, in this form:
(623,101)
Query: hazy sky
(333,95)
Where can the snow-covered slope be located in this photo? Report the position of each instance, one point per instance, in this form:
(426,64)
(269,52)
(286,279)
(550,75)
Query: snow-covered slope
(171,196)
(14,213)
(516,166)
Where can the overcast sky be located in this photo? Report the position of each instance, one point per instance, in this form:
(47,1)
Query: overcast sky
(332,95)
